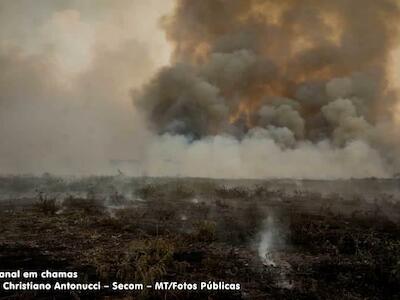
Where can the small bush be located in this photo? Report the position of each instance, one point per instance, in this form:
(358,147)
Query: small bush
(117,198)
(232,193)
(181,193)
(88,206)
(147,260)
(147,192)
(205,231)
(46,205)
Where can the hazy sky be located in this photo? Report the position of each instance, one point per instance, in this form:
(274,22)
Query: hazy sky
(68,67)
(72,29)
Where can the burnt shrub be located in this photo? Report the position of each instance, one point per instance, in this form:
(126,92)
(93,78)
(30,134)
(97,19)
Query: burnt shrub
(90,206)
(205,231)
(47,205)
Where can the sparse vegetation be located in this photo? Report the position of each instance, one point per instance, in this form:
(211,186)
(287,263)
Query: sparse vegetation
(336,247)
(46,204)
(224,192)
(90,206)
(205,231)
(146,260)
(147,192)
(182,192)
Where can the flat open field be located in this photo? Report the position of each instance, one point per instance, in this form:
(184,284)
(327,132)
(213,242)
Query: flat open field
(278,239)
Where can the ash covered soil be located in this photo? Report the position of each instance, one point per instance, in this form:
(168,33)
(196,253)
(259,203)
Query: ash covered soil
(281,239)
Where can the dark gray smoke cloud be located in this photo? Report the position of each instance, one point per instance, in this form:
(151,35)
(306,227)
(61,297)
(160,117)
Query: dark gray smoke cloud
(300,72)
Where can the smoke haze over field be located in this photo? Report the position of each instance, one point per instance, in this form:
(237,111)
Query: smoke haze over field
(66,70)
(238,88)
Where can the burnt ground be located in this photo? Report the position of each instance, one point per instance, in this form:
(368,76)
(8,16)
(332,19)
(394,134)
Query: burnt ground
(278,244)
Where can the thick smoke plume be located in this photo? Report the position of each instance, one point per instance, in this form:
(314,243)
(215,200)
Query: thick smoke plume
(275,88)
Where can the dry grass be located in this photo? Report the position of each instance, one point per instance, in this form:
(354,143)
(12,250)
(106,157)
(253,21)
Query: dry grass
(205,231)
(146,260)
(331,253)
(224,192)
(90,206)
(46,205)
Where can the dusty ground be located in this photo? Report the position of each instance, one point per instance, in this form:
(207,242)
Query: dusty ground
(279,241)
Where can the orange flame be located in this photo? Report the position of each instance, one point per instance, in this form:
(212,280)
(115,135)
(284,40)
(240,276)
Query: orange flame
(244,109)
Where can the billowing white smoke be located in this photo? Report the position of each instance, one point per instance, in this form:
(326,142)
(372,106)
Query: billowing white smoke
(260,156)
